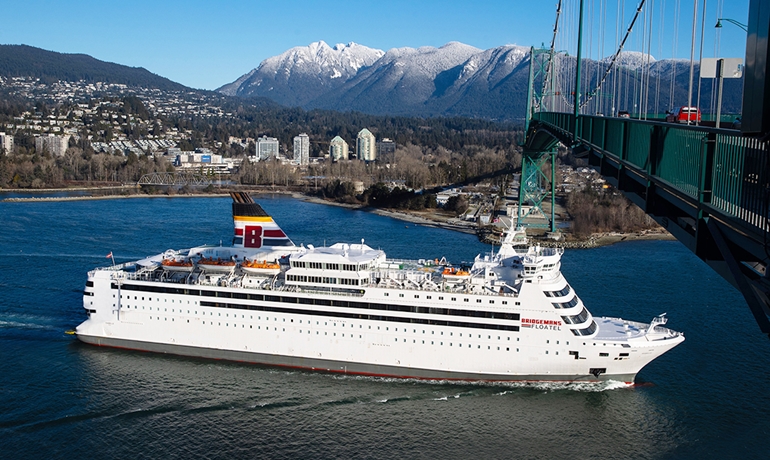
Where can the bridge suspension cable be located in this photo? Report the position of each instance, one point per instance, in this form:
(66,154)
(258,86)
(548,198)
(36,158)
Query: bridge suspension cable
(549,65)
(614,59)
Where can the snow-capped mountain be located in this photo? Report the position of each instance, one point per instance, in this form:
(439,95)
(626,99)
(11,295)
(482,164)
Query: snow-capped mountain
(631,59)
(452,80)
(303,73)
(400,82)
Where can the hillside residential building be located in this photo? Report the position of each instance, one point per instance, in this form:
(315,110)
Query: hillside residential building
(267,147)
(366,148)
(386,150)
(338,149)
(55,145)
(302,149)
(6,143)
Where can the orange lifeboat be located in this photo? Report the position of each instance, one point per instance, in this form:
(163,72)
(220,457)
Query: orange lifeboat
(263,267)
(216,265)
(455,274)
(177,265)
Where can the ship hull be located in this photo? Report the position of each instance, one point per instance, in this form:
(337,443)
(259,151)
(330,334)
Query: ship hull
(338,367)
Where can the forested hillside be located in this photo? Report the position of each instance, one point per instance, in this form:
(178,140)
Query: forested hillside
(28,61)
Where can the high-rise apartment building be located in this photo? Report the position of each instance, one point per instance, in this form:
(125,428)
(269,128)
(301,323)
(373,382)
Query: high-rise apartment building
(267,147)
(6,143)
(386,150)
(338,149)
(53,144)
(366,148)
(302,149)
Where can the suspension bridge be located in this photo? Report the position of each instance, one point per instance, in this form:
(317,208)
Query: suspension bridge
(707,185)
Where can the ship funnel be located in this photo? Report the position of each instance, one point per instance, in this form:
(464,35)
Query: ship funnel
(254,228)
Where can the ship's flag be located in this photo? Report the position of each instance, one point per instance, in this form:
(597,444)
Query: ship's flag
(109,255)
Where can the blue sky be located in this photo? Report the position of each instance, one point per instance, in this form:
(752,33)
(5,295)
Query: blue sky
(208,44)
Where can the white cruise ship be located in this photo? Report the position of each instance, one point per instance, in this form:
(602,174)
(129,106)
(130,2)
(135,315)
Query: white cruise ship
(511,316)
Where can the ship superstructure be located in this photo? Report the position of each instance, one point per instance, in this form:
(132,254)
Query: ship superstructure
(509,316)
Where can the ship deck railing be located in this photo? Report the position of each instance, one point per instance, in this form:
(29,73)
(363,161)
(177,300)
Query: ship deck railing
(233,281)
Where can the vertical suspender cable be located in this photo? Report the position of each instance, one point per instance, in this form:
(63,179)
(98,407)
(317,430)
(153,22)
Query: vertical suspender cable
(692,52)
(700,58)
(660,53)
(616,55)
(603,22)
(650,12)
(671,100)
(615,98)
(577,68)
(643,89)
(717,52)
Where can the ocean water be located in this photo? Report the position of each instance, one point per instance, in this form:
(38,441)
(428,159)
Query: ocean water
(59,398)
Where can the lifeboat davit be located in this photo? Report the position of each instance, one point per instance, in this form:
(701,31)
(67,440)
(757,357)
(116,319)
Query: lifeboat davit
(216,265)
(177,265)
(263,267)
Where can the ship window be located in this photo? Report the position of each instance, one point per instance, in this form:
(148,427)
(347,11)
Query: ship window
(465,299)
(428,297)
(604,354)
(401,295)
(491,301)
(478,300)
(505,302)
(416,296)
(386,294)
(440,298)
(624,354)
(454,299)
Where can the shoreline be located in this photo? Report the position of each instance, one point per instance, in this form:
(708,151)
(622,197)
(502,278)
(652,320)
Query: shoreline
(444,222)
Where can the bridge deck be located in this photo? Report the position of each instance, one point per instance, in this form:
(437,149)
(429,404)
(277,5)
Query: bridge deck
(709,187)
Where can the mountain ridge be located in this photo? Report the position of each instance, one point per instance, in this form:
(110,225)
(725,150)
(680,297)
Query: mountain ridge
(452,80)
(29,61)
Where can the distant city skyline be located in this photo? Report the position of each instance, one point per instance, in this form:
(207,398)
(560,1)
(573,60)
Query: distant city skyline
(206,45)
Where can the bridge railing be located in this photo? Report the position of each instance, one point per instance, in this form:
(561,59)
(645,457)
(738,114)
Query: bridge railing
(717,167)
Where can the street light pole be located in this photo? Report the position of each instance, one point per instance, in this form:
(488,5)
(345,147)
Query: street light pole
(732,21)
